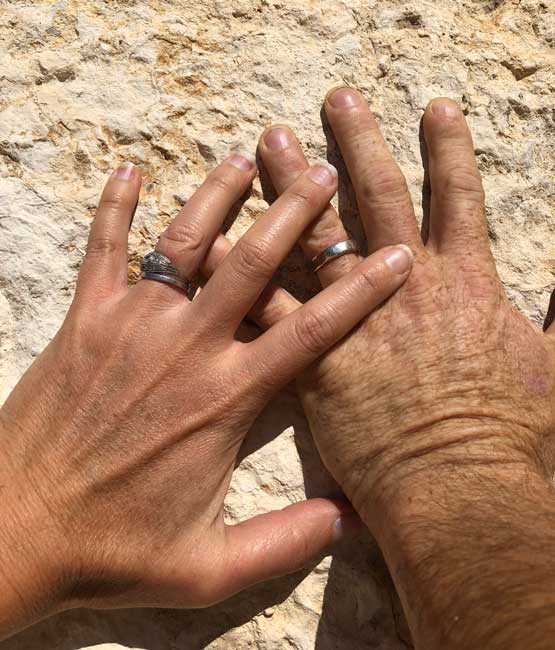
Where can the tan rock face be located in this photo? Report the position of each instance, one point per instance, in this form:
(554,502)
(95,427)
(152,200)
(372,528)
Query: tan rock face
(173,86)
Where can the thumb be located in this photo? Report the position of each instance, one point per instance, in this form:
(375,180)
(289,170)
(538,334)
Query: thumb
(284,541)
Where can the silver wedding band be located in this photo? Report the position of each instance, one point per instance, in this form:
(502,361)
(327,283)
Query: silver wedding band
(333,252)
(158,267)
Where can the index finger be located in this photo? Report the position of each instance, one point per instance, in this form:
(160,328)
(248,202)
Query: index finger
(238,282)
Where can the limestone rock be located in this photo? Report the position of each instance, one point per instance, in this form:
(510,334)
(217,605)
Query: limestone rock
(174,85)
(54,65)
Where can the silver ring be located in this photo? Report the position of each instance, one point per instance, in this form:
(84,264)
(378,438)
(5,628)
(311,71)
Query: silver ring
(168,279)
(333,252)
(156,266)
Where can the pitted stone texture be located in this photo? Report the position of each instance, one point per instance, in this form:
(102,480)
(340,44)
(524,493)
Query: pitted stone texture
(174,86)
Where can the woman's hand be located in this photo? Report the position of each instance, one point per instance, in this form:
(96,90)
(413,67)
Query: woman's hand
(118,445)
(436,415)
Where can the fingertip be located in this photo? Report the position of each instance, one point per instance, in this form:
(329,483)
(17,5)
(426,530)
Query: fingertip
(443,109)
(346,527)
(334,518)
(444,120)
(276,138)
(337,516)
(323,173)
(126,172)
(343,97)
(242,160)
(399,259)
(331,508)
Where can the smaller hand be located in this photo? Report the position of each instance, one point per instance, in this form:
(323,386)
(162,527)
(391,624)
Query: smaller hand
(118,445)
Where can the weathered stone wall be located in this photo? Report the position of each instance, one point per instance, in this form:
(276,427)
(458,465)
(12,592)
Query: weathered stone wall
(173,86)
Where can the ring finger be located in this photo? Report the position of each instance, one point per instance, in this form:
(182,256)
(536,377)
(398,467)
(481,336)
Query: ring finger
(284,161)
(383,198)
(189,236)
(274,302)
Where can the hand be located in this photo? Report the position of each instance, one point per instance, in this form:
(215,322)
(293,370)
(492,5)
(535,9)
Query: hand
(436,415)
(447,369)
(118,445)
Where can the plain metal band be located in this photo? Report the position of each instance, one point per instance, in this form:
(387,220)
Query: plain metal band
(167,279)
(333,252)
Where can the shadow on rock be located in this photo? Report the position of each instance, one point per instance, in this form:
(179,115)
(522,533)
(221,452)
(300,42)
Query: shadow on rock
(154,629)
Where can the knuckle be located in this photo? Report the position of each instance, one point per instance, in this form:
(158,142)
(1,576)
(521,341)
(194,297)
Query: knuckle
(82,335)
(187,236)
(370,280)
(386,186)
(314,331)
(221,184)
(265,314)
(113,201)
(101,245)
(463,181)
(254,259)
(303,198)
(303,547)
(326,231)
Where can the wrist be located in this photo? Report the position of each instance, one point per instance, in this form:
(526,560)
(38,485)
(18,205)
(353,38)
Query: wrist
(453,499)
(462,537)
(33,555)
(434,459)
(474,567)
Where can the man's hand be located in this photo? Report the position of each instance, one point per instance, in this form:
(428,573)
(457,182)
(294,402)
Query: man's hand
(447,371)
(436,414)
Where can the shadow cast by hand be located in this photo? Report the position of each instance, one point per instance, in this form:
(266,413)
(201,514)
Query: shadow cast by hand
(361,609)
(346,199)
(153,629)
(426,194)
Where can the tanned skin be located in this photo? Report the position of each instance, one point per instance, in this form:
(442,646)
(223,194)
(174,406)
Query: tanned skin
(436,415)
(118,445)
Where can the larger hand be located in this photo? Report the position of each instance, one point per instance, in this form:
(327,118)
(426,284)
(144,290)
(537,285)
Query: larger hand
(436,415)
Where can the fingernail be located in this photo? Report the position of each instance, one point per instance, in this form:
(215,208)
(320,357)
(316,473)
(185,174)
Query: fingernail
(243,161)
(323,174)
(124,171)
(346,527)
(445,108)
(278,139)
(399,259)
(344,98)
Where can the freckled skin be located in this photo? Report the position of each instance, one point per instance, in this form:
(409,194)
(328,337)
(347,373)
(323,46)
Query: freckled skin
(451,362)
(436,414)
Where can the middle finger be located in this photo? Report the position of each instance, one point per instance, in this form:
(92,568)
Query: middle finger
(238,282)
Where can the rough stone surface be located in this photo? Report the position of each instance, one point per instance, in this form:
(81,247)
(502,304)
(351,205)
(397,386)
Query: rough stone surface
(173,86)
